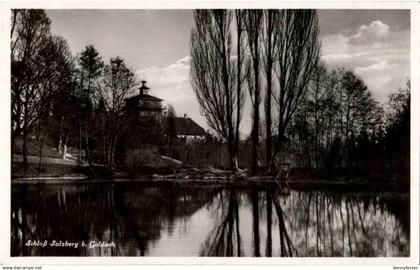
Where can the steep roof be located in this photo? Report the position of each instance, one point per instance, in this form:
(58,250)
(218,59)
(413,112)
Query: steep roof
(187,126)
(144,97)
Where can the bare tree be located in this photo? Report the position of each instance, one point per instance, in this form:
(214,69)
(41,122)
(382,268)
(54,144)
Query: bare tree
(29,30)
(356,105)
(338,123)
(331,112)
(240,74)
(55,71)
(118,81)
(90,66)
(253,25)
(271,21)
(317,96)
(170,131)
(298,56)
(213,74)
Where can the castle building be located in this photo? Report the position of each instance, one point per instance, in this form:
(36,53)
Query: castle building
(146,107)
(186,128)
(144,104)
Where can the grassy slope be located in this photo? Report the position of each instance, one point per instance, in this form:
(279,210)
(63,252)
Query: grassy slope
(47,169)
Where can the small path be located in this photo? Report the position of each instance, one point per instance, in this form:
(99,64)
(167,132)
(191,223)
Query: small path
(45,160)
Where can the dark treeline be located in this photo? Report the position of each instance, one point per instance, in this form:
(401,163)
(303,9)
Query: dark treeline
(339,125)
(302,112)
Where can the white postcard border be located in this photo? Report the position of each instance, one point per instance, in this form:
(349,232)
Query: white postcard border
(5,165)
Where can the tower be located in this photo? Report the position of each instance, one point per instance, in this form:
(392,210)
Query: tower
(144,90)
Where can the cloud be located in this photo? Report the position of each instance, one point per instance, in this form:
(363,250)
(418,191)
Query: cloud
(376,31)
(381,57)
(172,84)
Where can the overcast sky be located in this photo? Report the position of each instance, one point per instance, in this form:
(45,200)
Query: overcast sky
(375,44)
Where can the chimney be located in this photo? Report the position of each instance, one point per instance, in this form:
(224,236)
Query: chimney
(185,116)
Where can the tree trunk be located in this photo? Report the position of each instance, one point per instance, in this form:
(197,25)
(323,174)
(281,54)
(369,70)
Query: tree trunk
(234,162)
(256,223)
(253,28)
(256,119)
(105,157)
(269,73)
(13,146)
(87,152)
(79,158)
(269,209)
(238,78)
(60,140)
(220,154)
(316,126)
(256,122)
(114,142)
(25,147)
(60,145)
(268,125)
(41,147)
(64,147)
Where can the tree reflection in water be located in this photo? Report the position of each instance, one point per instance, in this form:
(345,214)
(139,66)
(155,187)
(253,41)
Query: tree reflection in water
(286,246)
(132,216)
(225,239)
(147,219)
(309,224)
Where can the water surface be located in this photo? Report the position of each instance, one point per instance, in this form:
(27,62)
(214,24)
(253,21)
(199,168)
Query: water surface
(139,219)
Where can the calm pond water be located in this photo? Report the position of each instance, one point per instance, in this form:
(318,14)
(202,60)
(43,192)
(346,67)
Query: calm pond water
(139,219)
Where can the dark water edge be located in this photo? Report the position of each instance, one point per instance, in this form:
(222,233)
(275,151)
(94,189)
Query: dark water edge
(174,219)
(252,182)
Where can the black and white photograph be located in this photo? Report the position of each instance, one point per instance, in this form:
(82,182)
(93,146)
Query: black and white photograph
(224,132)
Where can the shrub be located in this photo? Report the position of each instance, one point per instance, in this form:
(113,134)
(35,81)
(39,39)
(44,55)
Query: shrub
(139,158)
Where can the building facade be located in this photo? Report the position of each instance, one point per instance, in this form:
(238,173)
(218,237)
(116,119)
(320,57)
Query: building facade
(145,105)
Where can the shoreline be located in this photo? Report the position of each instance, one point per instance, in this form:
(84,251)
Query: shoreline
(299,178)
(249,182)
